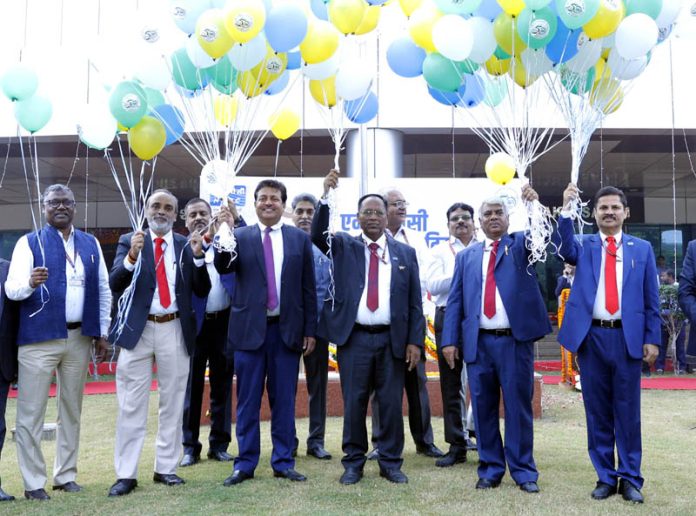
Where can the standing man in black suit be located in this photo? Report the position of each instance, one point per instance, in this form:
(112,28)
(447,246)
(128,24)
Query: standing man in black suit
(376,320)
(161,328)
(8,355)
(272,322)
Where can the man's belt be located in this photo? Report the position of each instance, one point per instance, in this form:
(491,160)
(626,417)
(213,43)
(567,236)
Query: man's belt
(498,332)
(163,318)
(73,325)
(211,316)
(273,319)
(374,328)
(608,323)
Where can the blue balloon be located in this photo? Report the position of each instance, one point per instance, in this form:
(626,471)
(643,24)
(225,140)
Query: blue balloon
(362,110)
(405,58)
(488,9)
(472,91)
(320,9)
(448,98)
(294,61)
(279,84)
(286,27)
(564,44)
(377,2)
(172,119)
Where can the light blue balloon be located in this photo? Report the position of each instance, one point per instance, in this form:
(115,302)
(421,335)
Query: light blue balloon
(474,91)
(19,83)
(186,12)
(564,44)
(33,113)
(362,110)
(576,14)
(286,27)
(447,98)
(319,9)
(294,60)
(377,2)
(458,6)
(405,58)
(172,119)
(489,9)
(279,84)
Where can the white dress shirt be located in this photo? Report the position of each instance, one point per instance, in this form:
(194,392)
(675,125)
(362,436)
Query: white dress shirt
(416,240)
(441,268)
(500,319)
(383,313)
(19,276)
(277,242)
(218,298)
(599,311)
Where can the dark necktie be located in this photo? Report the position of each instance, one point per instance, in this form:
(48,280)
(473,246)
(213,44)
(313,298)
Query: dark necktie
(373,279)
(162,283)
(489,292)
(611,292)
(271,290)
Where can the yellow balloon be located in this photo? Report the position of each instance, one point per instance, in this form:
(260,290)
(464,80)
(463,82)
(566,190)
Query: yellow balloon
(324,91)
(497,66)
(270,68)
(512,7)
(420,26)
(602,70)
(506,35)
(606,95)
(369,21)
(346,15)
(607,19)
(408,6)
(225,109)
(500,168)
(244,19)
(212,34)
(320,43)
(147,138)
(284,123)
(249,84)
(520,75)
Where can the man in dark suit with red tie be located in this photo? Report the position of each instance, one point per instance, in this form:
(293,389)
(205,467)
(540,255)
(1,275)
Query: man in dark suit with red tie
(8,355)
(495,313)
(614,315)
(376,320)
(273,320)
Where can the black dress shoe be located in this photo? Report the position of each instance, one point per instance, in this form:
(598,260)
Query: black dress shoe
(603,491)
(68,487)
(393,475)
(529,487)
(629,492)
(189,460)
(351,476)
(484,483)
(4,497)
(429,450)
(237,477)
(319,452)
(36,494)
(123,486)
(168,479)
(290,474)
(294,452)
(374,454)
(220,455)
(451,458)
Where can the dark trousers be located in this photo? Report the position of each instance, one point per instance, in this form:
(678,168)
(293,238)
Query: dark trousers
(367,364)
(275,367)
(679,360)
(507,364)
(611,392)
(210,351)
(317,378)
(4,390)
(450,387)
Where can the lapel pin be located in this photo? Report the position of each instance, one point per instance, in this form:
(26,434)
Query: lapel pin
(629,243)
(506,250)
(402,267)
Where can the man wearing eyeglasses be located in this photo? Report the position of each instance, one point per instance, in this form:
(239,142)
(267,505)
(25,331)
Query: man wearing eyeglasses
(376,321)
(460,224)
(59,276)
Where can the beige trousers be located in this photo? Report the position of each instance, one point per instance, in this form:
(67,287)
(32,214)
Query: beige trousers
(69,359)
(162,343)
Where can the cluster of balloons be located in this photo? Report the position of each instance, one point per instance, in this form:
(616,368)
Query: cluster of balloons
(31,109)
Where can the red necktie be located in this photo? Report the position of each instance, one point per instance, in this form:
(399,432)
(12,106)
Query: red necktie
(489,292)
(373,279)
(611,292)
(162,283)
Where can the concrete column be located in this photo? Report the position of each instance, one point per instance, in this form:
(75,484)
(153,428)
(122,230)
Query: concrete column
(372,153)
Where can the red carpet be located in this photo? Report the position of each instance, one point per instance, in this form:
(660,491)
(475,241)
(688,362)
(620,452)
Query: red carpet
(664,383)
(90,388)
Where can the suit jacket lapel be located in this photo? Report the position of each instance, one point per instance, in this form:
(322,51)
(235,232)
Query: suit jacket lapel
(505,243)
(257,246)
(596,251)
(628,258)
(148,258)
(178,259)
(475,276)
(396,260)
(360,258)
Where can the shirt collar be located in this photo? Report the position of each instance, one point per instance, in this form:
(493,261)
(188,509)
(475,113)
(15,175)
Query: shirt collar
(381,241)
(401,229)
(618,237)
(454,241)
(168,237)
(274,227)
(489,242)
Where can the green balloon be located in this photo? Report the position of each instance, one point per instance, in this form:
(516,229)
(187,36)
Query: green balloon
(537,28)
(128,103)
(222,73)
(228,89)
(33,113)
(576,13)
(19,83)
(441,73)
(467,66)
(184,72)
(455,6)
(496,91)
(650,7)
(501,54)
(154,97)
(577,83)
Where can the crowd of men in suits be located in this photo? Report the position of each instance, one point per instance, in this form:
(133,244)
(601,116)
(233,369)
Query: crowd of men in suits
(259,309)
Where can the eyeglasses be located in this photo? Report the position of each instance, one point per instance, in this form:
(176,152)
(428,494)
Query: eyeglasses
(370,213)
(457,218)
(399,204)
(55,203)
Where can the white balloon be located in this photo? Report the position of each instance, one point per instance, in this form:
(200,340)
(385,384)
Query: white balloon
(153,71)
(96,126)
(353,79)
(686,22)
(452,37)
(323,70)
(186,12)
(668,13)
(484,39)
(625,69)
(536,62)
(245,57)
(197,55)
(589,51)
(636,35)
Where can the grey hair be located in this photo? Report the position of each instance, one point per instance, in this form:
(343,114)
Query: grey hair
(164,191)
(494,201)
(303,197)
(384,192)
(56,188)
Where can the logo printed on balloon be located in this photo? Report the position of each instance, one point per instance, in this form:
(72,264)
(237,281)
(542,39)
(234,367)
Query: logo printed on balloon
(613,5)
(574,8)
(130,102)
(582,41)
(209,34)
(243,22)
(509,197)
(692,11)
(150,35)
(179,12)
(274,65)
(539,28)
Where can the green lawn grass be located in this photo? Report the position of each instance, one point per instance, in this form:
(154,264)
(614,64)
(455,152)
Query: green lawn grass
(566,475)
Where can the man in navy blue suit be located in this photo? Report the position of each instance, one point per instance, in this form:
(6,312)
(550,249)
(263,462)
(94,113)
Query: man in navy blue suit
(272,322)
(495,313)
(9,317)
(615,324)
(687,293)
(376,320)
